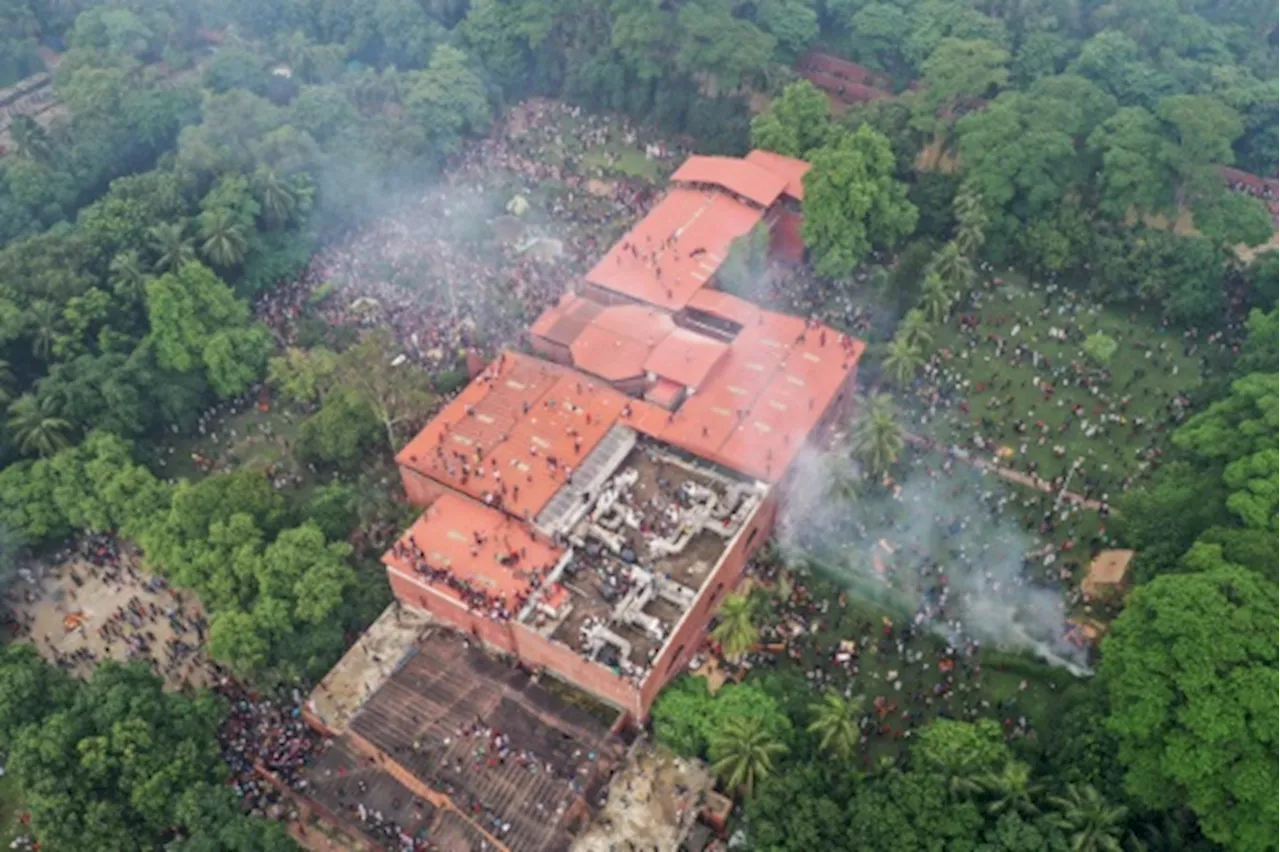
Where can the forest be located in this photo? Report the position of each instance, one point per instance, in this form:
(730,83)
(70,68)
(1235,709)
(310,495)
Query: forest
(200,155)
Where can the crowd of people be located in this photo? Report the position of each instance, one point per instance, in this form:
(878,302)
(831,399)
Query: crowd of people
(452,270)
(102,559)
(264,734)
(497,607)
(1263,189)
(975,390)
(465,266)
(903,670)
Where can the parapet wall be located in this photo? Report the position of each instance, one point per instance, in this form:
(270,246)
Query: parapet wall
(521,642)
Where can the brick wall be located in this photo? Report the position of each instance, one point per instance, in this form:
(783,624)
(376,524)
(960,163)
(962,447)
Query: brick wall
(420,490)
(518,640)
(549,349)
(415,593)
(785,242)
(568,664)
(690,632)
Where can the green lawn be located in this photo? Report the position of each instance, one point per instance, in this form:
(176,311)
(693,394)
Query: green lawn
(252,445)
(10,807)
(1011,411)
(1011,685)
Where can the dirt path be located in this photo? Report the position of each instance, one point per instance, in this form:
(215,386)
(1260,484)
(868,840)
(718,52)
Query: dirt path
(1006,473)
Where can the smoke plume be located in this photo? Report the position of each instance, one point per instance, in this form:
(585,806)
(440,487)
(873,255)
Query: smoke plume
(938,550)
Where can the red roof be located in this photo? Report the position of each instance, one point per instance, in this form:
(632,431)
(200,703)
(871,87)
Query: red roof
(758,185)
(671,253)
(1231,173)
(758,407)
(630,341)
(481,547)
(685,357)
(664,393)
(513,436)
(726,306)
(844,69)
(788,168)
(610,356)
(565,321)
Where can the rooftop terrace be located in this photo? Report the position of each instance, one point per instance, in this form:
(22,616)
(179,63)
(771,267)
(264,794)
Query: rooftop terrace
(644,541)
(366,666)
(476,555)
(341,780)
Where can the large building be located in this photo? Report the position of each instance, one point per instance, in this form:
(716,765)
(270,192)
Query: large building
(586,509)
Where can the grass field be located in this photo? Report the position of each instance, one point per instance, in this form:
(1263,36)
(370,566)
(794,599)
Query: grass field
(1124,413)
(258,443)
(1008,686)
(10,807)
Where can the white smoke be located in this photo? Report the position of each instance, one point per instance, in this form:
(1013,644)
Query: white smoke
(930,548)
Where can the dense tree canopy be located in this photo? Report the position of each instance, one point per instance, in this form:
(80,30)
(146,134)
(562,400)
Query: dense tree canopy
(1191,669)
(853,203)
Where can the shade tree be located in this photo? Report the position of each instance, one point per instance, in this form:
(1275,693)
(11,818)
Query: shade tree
(853,203)
(1190,666)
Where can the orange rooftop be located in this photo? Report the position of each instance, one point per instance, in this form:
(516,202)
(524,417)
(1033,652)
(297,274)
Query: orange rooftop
(588,506)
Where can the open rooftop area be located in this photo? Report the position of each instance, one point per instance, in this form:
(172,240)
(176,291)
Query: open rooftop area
(643,544)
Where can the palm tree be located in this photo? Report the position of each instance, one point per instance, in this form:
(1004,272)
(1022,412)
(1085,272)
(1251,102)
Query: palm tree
(951,263)
(971,221)
(370,91)
(35,426)
(128,276)
(736,632)
(1011,790)
(845,482)
(915,327)
(876,438)
(1089,821)
(45,320)
(742,752)
(902,360)
(172,248)
(277,196)
(935,298)
(6,382)
(224,241)
(836,722)
(30,140)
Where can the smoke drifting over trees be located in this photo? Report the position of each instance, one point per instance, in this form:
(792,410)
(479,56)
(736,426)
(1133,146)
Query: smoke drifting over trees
(950,560)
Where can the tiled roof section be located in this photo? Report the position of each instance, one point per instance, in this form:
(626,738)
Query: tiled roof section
(675,250)
(788,168)
(755,411)
(563,322)
(725,306)
(757,185)
(610,356)
(618,340)
(478,546)
(685,357)
(515,433)
(631,341)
